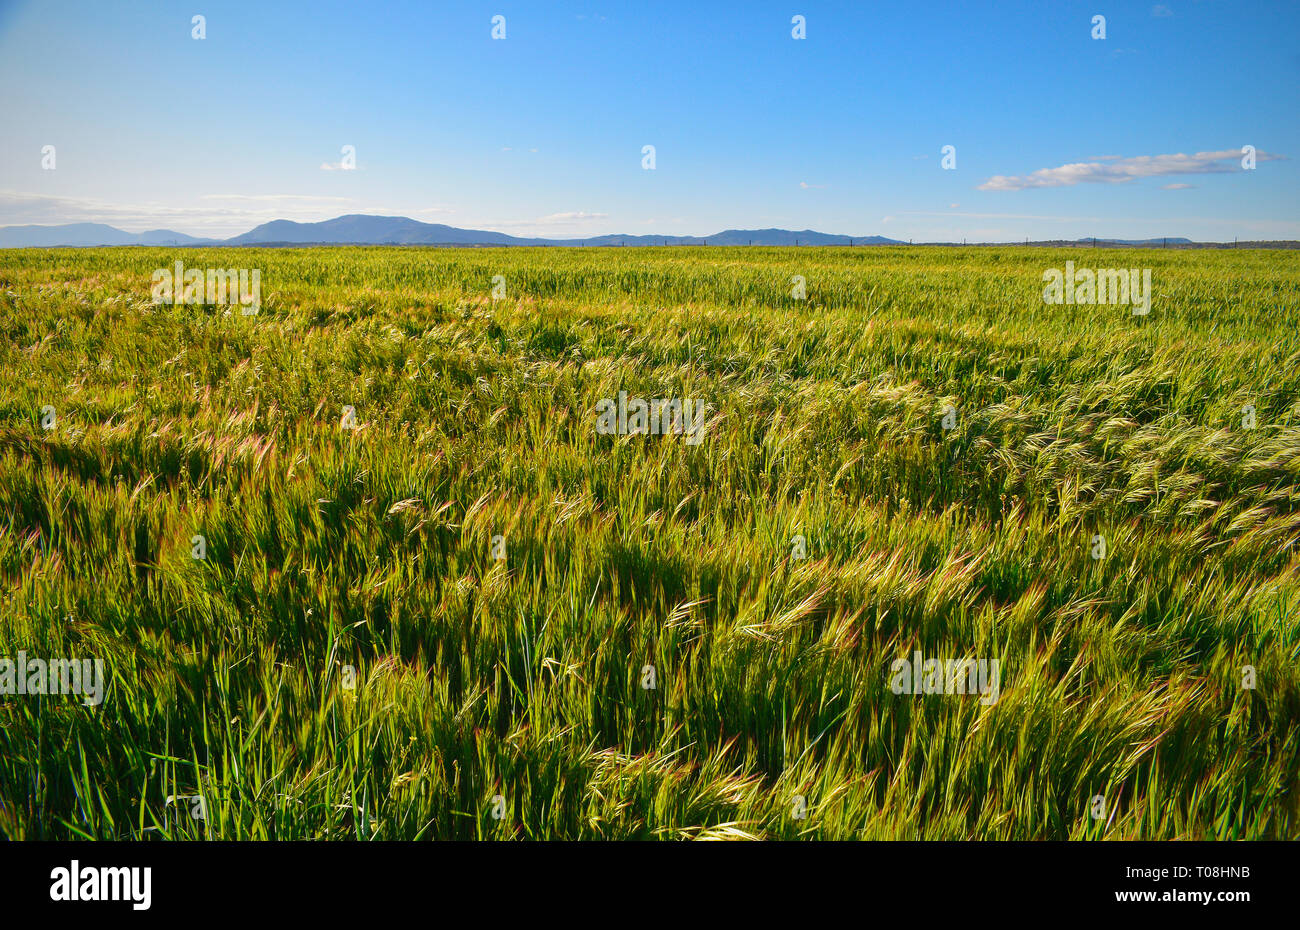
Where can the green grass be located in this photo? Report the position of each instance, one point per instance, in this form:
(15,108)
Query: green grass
(522,678)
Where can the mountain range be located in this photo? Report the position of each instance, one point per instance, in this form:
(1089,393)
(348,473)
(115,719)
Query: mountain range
(87,234)
(363,229)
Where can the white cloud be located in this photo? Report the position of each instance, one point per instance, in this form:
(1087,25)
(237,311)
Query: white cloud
(213,215)
(574,222)
(1161,10)
(1224,227)
(277,198)
(1179,187)
(575,216)
(211,219)
(1121,170)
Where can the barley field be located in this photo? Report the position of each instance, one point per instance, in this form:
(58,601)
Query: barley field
(455,610)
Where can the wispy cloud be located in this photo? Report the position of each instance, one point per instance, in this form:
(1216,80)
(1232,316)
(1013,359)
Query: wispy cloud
(277,198)
(1160,10)
(575,216)
(1263,229)
(1121,170)
(573,220)
(212,218)
(1179,187)
(215,215)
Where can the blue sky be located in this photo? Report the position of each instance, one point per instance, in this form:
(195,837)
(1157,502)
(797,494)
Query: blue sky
(541,133)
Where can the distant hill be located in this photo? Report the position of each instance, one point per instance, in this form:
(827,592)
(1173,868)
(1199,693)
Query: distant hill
(89,234)
(362,229)
(743,237)
(171,237)
(1171,240)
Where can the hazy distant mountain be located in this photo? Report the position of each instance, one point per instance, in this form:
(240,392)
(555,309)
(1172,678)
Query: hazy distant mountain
(74,234)
(89,234)
(1099,242)
(362,229)
(787,237)
(171,237)
(1172,240)
(742,237)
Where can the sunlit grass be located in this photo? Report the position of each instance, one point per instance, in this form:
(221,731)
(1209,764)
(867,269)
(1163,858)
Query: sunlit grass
(475,677)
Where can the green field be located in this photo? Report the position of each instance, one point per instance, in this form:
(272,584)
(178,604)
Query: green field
(365,556)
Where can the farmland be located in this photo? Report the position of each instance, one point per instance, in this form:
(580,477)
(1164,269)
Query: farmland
(361,565)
